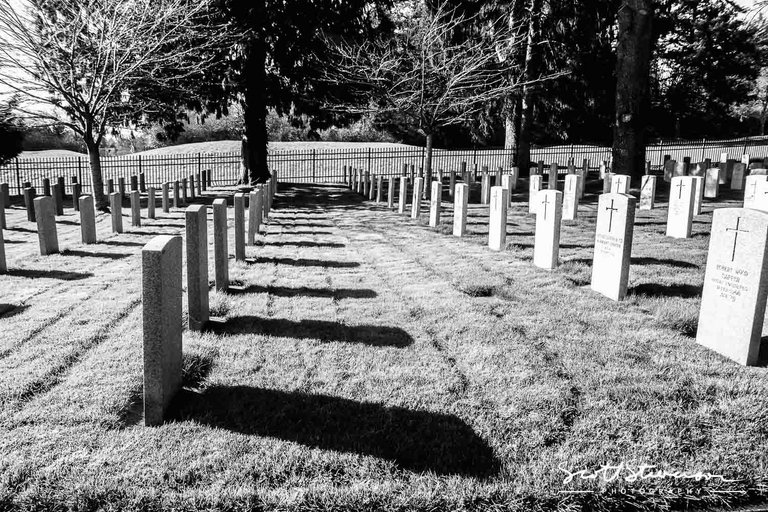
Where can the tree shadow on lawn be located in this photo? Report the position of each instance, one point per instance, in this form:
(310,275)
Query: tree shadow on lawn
(121,244)
(414,440)
(9,310)
(300,262)
(657,261)
(50,274)
(286,291)
(329,245)
(323,330)
(684,291)
(87,254)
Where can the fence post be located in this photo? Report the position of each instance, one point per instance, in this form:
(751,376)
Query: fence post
(368,165)
(314,158)
(703,147)
(199,162)
(18,176)
(139,164)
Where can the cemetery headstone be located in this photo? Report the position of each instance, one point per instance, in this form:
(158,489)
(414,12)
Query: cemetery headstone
(121,187)
(204,180)
(571,197)
(681,200)
(391,192)
(87,220)
(534,187)
(46,225)
(552,181)
(239,207)
(77,191)
(460,202)
(451,184)
(29,198)
(5,191)
(737,177)
(506,184)
(403,195)
(379,186)
(712,183)
(416,199)
(161,306)
(166,198)
(46,187)
(176,194)
(151,203)
(485,188)
(135,208)
(435,204)
(648,192)
(110,186)
(608,182)
(497,223)
(760,201)
(62,188)
(669,170)
(220,248)
(546,249)
(735,285)
(620,184)
(134,183)
(116,207)
(254,214)
(142,183)
(698,194)
(514,175)
(58,205)
(613,245)
(698,169)
(3,263)
(372,191)
(184,196)
(3,222)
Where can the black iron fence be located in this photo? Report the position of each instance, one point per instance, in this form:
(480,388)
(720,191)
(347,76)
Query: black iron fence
(326,165)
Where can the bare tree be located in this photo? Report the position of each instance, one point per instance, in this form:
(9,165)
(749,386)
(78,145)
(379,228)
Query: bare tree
(87,64)
(434,73)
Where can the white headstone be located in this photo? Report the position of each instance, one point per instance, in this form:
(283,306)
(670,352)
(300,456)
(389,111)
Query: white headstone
(669,170)
(533,189)
(750,189)
(698,194)
(506,184)
(460,202)
(735,285)
(613,244)
(546,250)
(418,186)
(571,197)
(620,184)
(255,209)
(680,214)
(391,192)
(220,245)
(403,195)
(648,192)
(45,216)
(712,183)
(435,204)
(737,176)
(760,202)
(3,264)
(197,265)
(497,222)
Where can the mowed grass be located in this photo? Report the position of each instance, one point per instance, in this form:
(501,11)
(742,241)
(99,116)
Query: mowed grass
(364,361)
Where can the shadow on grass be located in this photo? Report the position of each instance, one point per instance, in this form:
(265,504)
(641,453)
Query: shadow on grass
(323,330)
(657,261)
(286,291)
(23,230)
(121,244)
(50,274)
(329,245)
(303,262)
(87,254)
(414,440)
(685,291)
(9,310)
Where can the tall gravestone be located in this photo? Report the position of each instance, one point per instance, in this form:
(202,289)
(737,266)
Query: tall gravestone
(648,192)
(403,199)
(199,183)
(760,202)
(391,192)
(485,188)
(166,198)
(3,222)
(142,183)
(3,263)
(506,184)
(698,194)
(460,203)
(239,208)
(416,199)
(552,181)
(110,186)
(514,175)
(161,306)
(176,194)
(723,164)
(571,197)
(750,189)
(197,265)
(58,204)
(435,204)
(735,285)
(134,183)
(46,187)
(379,187)
(452,184)
(29,203)
(620,184)
(135,208)
(372,188)
(46,225)
(546,249)
(497,222)
(121,187)
(220,245)
(534,187)
(151,203)
(680,214)
(116,206)
(192,193)
(87,220)
(613,245)
(737,176)
(669,170)
(254,214)
(712,183)
(184,185)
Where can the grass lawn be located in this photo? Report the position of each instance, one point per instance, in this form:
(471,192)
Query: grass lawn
(363,361)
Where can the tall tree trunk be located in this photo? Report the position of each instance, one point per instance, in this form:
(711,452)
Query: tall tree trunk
(255,104)
(97,182)
(512,128)
(428,156)
(526,107)
(633,57)
(512,116)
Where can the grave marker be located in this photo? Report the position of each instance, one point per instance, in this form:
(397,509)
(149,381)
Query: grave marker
(184,197)
(3,223)
(134,183)
(166,199)
(254,214)
(712,183)
(571,197)
(546,249)
(485,188)
(176,194)
(750,190)
(552,180)
(698,194)
(534,187)
(620,184)
(680,214)
(379,187)
(506,184)
(239,227)
(613,245)
(497,222)
(608,182)
(29,203)
(391,192)
(151,203)
(46,225)
(3,264)
(46,187)
(135,208)
(737,176)
(87,220)
(735,285)
(58,205)
(121,187)
(416,199)
(116,205)
(435,204)
(142,183)
(403,195)
(220,248)
(460,202)
(648,192)
(669,169)
(161,311)
(451,184)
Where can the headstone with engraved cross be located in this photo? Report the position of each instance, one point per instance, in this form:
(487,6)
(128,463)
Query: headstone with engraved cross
(647,192)
(737,176)
(750,190)
(760,202)
(613,244)
(534,187)
(620,184)
(712,183)
(497,223)
(680,214)
(571,197)
(418,186)
(735,285)
(549,210)
(698,194)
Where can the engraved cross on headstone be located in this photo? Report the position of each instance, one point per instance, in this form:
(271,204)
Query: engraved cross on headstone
(545,202)
(736,232)
(680,186)
(610,219)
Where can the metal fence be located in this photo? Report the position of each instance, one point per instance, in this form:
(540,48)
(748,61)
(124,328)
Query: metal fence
(326,165)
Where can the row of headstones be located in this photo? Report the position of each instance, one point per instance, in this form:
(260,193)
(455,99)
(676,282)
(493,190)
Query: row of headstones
(162,287)
(736,284)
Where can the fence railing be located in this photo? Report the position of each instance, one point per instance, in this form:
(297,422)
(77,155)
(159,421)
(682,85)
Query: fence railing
(326,165)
